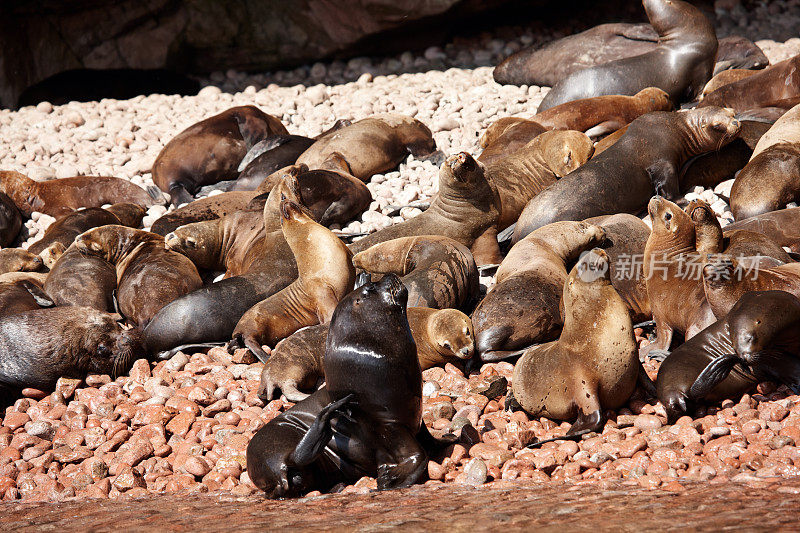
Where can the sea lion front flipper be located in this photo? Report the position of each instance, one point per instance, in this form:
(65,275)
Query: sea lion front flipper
(779,366)
(609,126)
(41,297)
(644,380)
(406,464)
(712,375)
(593,422)
(664,177)
(318,435)
(261,147)
(431,444)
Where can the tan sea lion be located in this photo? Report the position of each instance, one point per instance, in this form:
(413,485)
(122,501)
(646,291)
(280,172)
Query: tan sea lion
(437,271)
(466,205)
(441,336)
(724,78)
(61,197)
(373,145)
(768,182)
(785,129)
(51,254)
(507,135)
(148,275)
(326,274)
(593,366)
(210,151)
(19,260)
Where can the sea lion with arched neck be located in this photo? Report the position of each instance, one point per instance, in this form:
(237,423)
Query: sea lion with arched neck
(768,182)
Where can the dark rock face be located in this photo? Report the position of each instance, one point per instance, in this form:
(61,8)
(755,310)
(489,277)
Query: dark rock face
(40,38)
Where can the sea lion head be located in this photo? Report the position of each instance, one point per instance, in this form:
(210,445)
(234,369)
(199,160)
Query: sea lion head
(373,299)
(287,187)
(199,241)
(667,15)
(659,99)
(52,253)
(19,260)
(461,168)
(712,127)
(451,332)
(758,318)
(128,214)
(668,219)
(113,241)
(707,229)
(563,150)
(700,211)
(294,213)
(593,267)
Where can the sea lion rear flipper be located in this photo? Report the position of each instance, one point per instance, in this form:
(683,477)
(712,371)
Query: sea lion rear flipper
(405,464)
(778,366)
(609,126)
(431,444)
(155,194)
(167,354)
(712,375)
(41,297)
(261,147)
(319,434)
(664,177)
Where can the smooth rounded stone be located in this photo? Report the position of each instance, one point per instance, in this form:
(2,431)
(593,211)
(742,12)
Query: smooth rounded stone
(177,362)
(196,466)
(429,388)
(475,473)
(74,118)
(44,107)
(42,429)
(647,422)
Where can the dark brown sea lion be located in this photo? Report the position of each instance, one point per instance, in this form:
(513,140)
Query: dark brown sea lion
(776,82)
(367,418)
(148,275)
(325,275)
(10,220)
(646,160)
(82,280)
(594,365)
(373,145)
(272,154)
(782,227)
(765,332)
(609,42)
(437,271)
(681,63)
(38,347)
(601,115)
(768,182)
(785,130)
(19,260)
(20,296)
(441,335)
(64,230)
(523,308)
(61,197)
(674,284)
(507,135)
(466,205)
(727,279)
(211,150)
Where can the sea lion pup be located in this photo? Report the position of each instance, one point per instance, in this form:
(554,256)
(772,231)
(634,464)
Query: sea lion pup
(38,347)
(681,64)
(523,307)
(647,160)
(325,275)
(724,78)
(765,333)
(505,136)
(437,271)
(726,280)
(19,260)
(768,182)
(466,205)
(148,275)
(601,115)
(441,335)
(593,366)
(366,420)
(52,254)
(785,129)
(711,239)
(20,296)
(64,230)
(671,267)
(526,172)
(10,220)
(61,197)
(782,227)
(82,280)
(372,145)
(210,151)
(776,82)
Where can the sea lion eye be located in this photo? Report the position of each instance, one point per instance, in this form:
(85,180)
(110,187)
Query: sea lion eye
(667,216)
(191,243)
(567,159)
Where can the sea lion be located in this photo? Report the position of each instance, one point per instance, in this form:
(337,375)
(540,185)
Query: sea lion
(148,275)
(711,239)
(61,197)
(64,230)
(768,182)
(671,265)
(209,208)
(785,129)
(367,418)
(593,366)
(271,155)
(19,260)
(727,279)
(82,280)
(38,347)
(20,296)
(765,333)
(609,42)
(507,135)
(609,140)
(601,115)
(523,307)
(325,275)
(442,336)
(466,205)
(526,172)
(52,254)
(373,145)
(210,151)
(781,227)
(646,160)
(681,64)
(10,220)
(777,82)
(437,271)
(724,78)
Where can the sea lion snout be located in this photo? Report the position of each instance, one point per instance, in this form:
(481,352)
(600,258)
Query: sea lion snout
(172,241)
(461,164)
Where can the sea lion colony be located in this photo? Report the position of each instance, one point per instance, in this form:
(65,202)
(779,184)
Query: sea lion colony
(345,325)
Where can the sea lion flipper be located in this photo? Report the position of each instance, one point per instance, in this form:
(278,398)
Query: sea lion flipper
(777,365)
(638,32)
(712,375)
(645,381)
(431,444)
(318,435)
(664,177)
(413,461)
(41,298)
